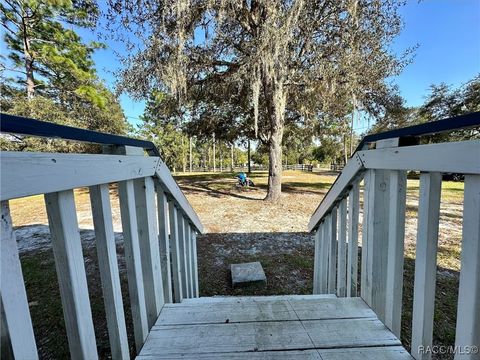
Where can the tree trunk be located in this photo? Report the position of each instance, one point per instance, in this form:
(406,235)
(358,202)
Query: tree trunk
(354,103)
(249,158)
(275,99)
(209,158)
(345,155)
(275,166)
(220,155)
(191,156)
(30,83)
(232,165)
(214,159)
(184,157)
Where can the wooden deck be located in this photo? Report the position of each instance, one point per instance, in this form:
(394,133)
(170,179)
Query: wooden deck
(273,327)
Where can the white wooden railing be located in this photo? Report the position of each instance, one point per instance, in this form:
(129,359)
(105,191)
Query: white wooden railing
(383,171)
(159,232)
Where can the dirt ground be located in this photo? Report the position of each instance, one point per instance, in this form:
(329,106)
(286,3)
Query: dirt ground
(240,227)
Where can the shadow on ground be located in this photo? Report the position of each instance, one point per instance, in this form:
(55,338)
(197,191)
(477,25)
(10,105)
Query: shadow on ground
(225,184)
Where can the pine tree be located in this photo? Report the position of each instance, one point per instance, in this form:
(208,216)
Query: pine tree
(57,72)
(49,56)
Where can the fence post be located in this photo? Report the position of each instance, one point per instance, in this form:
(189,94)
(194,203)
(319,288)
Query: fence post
(352,252)
(188,257)
(316,263)
(16,321)
(342,250)
(376,234)
(323,268)
(426,263)
(133,256)
(195,265)
(396,234)
(164,242)
(468,314)
(149,247)
(175,248)
(108,266)
(67,248)
(332,251)
(182,253)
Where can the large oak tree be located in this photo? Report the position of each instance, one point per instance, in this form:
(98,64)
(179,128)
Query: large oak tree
(298,58)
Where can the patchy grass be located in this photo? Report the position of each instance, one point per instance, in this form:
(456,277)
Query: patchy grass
(46,308)
(446,295)
(240,228)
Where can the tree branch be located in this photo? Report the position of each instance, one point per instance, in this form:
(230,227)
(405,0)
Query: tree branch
(4,68)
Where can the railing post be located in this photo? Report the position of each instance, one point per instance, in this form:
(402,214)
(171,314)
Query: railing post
(164,243)
(188,257)
(149,247)
(190,260)
(15,318)
(332,251)
(133,256)
(376,233)
(182,253)
(196,289)
(342,250)
(67,249)
(352,252)
(175,248)
(468,311)
(426,263)
(108,266)
(323,266)
(316,261)
(365,291)
(396,235)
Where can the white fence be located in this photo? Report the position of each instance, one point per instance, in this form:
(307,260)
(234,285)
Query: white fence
(384,174)
(159,232)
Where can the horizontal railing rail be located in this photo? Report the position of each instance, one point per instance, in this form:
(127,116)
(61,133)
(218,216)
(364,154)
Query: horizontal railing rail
(159,236)
(26,126)
(443,157)
(345,179)
(466,121)
(32,127)
(336,222)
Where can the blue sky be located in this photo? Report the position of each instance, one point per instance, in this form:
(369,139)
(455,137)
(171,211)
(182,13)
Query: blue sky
(448,35)
(447,32)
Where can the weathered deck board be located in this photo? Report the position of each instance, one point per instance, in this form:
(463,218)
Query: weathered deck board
(338,308)
(218,313)
(264,310)
(237,337)
(349,332)
(264,355)
(378,353)
(285,328)
(238,299)
(371,353)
